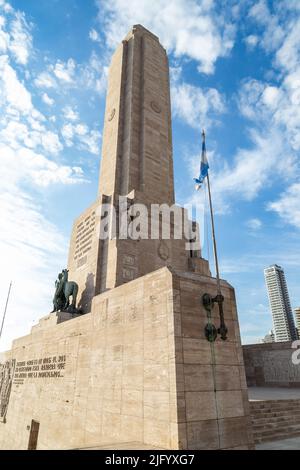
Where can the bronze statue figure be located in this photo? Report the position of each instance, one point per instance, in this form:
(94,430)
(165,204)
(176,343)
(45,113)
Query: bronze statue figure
(64,289)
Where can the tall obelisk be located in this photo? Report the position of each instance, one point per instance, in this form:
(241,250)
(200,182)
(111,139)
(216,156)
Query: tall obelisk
(137,139)
(137,164)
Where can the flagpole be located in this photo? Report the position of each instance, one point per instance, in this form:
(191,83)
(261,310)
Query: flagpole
(5,309)
(222,330)
(214,237)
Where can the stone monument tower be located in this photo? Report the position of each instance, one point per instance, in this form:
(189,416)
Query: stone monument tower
(136,164)
(137,369)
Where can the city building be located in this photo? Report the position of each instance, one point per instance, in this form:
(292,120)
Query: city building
(282,314)
(297,319)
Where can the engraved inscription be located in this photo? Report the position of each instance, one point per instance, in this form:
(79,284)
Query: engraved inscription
(129,260)
(42,368)
(84,238)
(128,274)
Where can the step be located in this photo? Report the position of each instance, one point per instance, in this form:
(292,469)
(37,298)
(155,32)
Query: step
(275,419)
(295,414)
(275,428)
(275,436)
(275,413)
(263,404)
(267,403)
(290,422)
(276,408)
(281,405)
(282,425)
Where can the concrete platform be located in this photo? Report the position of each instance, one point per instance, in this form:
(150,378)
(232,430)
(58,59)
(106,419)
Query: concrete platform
(285,444)
(273,393)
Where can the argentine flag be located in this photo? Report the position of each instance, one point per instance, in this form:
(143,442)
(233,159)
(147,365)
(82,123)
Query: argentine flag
(204,166)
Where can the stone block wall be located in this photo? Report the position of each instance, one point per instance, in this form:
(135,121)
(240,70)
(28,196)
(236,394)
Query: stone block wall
(136,369)
(270,364)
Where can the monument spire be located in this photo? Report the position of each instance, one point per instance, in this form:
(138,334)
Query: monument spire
(137,137)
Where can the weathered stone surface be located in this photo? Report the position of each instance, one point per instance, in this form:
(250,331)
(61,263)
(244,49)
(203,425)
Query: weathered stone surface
(107,393)
(271,365)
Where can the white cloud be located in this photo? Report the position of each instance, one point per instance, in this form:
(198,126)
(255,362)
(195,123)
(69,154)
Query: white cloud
(94,74)
(251,40)
(81,129)
(4,36)
(278,105)
(288,205)
(91,141)
(185,27)
(16,134)
(252,170)
(33,135)
(70,114)
(65,75)
(47,100)
(273,30)
(196,106)
(271,96)
(31,248)
(21,39)
(68,134)
(15,35)
(51,143)
(254,224)
(45,80)
(32,251)
(274,112)
(22,163)
(94,36)
(81,136)
(12,91)
(6,7)
(65,71)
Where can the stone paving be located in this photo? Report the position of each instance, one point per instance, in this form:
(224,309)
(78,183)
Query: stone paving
(285,444)
(273,393)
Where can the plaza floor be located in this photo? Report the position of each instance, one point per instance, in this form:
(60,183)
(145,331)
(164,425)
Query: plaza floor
(285,444)
(273,393)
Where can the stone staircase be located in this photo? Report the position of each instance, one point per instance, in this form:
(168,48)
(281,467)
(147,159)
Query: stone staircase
(275,419)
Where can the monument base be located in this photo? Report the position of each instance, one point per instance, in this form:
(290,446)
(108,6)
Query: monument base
(138,368)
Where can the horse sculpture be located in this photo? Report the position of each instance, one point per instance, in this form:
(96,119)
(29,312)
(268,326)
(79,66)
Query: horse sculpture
(70,288)
(64,290)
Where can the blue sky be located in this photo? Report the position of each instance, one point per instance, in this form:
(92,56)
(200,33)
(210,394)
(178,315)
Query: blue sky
(235,71)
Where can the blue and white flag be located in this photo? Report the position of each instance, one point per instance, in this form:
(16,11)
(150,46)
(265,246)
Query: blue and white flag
(204,166)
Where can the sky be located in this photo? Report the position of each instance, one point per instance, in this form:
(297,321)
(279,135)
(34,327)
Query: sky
(235,71)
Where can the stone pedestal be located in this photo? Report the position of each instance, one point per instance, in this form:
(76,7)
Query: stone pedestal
(136,369)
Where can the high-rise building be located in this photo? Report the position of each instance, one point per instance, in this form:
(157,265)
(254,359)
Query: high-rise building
(282,314)
(297,319)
